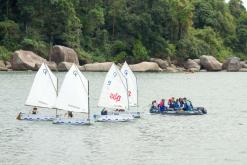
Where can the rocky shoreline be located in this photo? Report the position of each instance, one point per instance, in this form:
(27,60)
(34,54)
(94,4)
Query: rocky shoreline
(61,59)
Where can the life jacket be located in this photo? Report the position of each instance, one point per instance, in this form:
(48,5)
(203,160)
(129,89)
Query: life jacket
(161,104)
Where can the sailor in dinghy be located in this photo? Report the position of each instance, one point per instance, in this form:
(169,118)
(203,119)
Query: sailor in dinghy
(73,97)
(114,96)
(132,88)
(42,94)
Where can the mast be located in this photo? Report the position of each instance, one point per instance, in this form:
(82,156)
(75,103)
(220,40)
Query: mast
(136,95)
(56,88)
(88,102)
(127,91)
(57,95)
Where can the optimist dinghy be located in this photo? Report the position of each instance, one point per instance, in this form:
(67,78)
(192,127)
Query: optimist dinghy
(132,88)
(114,96)
(42,94)
(73,97)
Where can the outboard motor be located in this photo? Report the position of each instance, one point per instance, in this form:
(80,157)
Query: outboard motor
(202,109)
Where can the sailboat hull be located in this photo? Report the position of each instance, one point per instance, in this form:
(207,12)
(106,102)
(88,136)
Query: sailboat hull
(134,114)
(71,121)
(36,117)
(113,118)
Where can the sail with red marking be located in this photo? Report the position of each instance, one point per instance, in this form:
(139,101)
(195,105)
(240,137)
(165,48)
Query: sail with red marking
(114,90)
(132,84)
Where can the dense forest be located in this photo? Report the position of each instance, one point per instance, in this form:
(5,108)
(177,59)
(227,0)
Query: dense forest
(115,30)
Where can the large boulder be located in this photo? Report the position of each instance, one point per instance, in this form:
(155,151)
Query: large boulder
(232,64)
(243,64)
(197,61)
(8,65)
(64,66)
(145,67)
(171,70)
(210,63)
(192,65)
(25,60)
(81,68)
(162,63)
(243,70)
(50,64)
(63,54)
(98,67)
(2,66)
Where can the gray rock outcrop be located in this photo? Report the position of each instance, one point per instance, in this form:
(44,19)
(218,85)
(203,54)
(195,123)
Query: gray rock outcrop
(232,64)
(191,65)
(63,54)
(210,63)
(64,66)
(25,60)
(51,65)
(98,67)
(3,66)
(145,67)
(243,64)
(163,64)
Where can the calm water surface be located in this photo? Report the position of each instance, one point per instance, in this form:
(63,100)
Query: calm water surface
(217,138)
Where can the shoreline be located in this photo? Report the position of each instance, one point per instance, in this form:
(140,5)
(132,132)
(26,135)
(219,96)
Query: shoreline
(61,61)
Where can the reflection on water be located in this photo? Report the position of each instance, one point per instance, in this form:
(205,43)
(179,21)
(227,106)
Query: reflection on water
(217,138)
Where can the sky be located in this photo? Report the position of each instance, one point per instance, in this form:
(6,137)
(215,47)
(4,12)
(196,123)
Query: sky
(244,1)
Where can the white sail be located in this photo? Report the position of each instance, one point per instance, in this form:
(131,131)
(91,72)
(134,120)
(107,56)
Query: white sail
(132,84)
(44,89)
(73,95)
(114,91)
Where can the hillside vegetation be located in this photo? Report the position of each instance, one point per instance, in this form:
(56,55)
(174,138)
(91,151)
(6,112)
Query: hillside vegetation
(115,30)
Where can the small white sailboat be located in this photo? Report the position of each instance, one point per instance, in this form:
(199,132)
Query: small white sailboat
(73,97)
(42,94)
(132,88)
(114,96)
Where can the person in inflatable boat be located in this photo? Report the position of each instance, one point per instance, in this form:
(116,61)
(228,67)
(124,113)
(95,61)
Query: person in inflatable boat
(162,106)
(154,105)
(177,105)
(187,105)
(171,102)
(181,102)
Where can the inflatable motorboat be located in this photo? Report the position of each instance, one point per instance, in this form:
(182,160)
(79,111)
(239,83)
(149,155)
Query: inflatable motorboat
(71,121)
(35,117)
(113,118)
(194,111)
